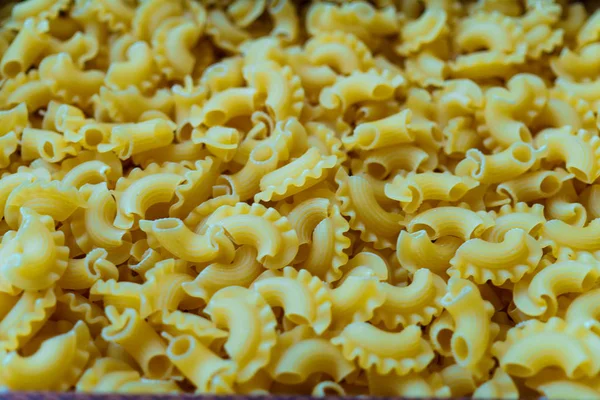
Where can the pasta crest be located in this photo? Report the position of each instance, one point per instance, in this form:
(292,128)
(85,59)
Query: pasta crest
(534,185)
(426,29)
(220,141)
(224,33)
(128,329)
(416,250)
(500,386)
(356,299)
(297,355)
(271,234)
(41,9)
(48,145)
(330,48)
(358,202)
(413,189)
(26,49)
(466,306)
(402,352)
(196,187)
(223,106)
(120,295)
(556,385)
(83,273)
(282,89)
(357,87)
(40,371)
(388,131)
(130,139)
(23,320)
(509,260)
(177,323)
(206,370)
(251,325)
(583,311)
(566,240)
(579,152)
(573,356)
(537,294)
(138,69)
(300,174)
(245,13)
(116,104)
(521,216)
(304,298)
(451,221)
(74,307)
(172,43)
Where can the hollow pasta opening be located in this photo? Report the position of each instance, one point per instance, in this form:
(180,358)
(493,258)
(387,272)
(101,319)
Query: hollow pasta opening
(167,224)
(460,348)
(159,367)
(522,154)
(550,185)
(444,338)
(262,154)
(93,136)
(382,91)
(12,69)
(48,150)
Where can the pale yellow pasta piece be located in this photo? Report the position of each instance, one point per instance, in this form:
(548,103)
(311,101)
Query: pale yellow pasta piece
(304,298)
(172,235)
(26,49)
(298,355)
(172,43)
(565,206)
(220,141)
(127,105)
(328,388)
(567,240)
(271,234)
(314,78)
(384,132)
(509,260)
(440,333)
(129,139)
(176,323)
(358,87)
(500,386)
(224,74)
(460,380)
(342,52)
(9,143)
(529,219)
(463,301)
(589,31)
(139,340)
(588,198)
(555,385)
(223,32)
(402,352)
(41,9)
(534,185)
(227,104)
(416,250)
(74,307)
(120,295)
(205,369)
(430,26)
(41,370)
(532,346)
(411,385)
(286,25)
(52,199)
(26,317)
(245,12)
(576,65)
(358,202)
(583,311)
(451,221)
(138,69)
(196,187)
(355,299)
(14,120)
(26,88)
(251,325)
(22,175)
(415,304)
(185,151)
(282,89)
(579,152)
(48,145)
(149,15)
(537,295)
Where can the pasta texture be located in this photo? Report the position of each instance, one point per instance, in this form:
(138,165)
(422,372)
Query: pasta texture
(395,198)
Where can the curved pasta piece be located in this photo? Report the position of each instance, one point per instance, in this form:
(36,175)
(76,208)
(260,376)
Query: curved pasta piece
(304,298)
(357,87)
(176,238)
(228,104)
(74,307)
(358,202)
(224,33)
(172,43)
(127,140)
(34,257)
(26,318)
(579,152)
(8,145)
(411,385)
(300,174)
(196,219)
(356,299)
(568,240)
(48,145)
(177,323)
(555,387)
(138,338)
(114,172)
(223,75)
(507,111)
(41,371)
(26,48)
(119,295)
(220,141)
(342,52)
(286,24)
(426,29)
(529,219)
(206,370)
(138,69)
(518,254)
(415,304)
(143,189)
(11,183)
(83,273)
(566,207)
(508,164)
(89,172)
(116,103)
(451,221)
(42,9)
(261,227)
(251,325)
(500,386)
(282,88)
(26,88)
(402,352)
(196,188)
(532,346)
(534,185)
(413,189)
(389,131)
(297,356)
(467,308)
(244,13)
(148,16)
(584,311)
(440,334)
(537,295)
(52,199)
(416,250)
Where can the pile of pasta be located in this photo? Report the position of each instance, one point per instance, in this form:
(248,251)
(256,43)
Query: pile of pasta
(266,196)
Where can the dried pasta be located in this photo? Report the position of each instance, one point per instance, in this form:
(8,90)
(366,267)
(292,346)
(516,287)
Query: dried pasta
(348,198)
